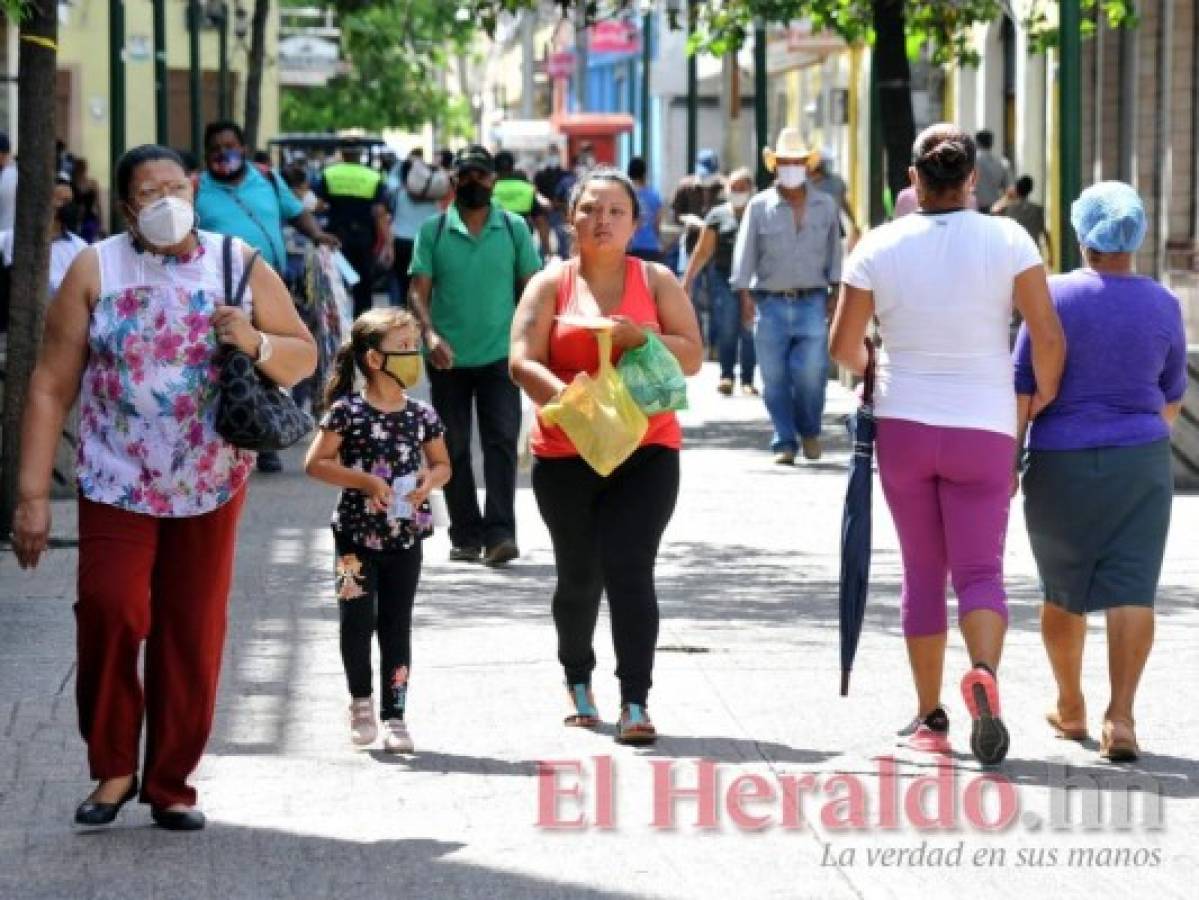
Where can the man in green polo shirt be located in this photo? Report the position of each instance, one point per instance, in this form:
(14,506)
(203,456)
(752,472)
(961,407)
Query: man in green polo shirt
(467,265)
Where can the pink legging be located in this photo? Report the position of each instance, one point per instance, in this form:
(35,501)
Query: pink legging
(948,489)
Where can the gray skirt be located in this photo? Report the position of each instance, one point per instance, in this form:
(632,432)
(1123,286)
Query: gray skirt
(1097,521)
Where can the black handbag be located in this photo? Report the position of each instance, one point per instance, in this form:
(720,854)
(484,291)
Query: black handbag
(253,412)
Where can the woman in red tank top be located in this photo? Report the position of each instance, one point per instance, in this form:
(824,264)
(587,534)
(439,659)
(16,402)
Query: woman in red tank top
(605,530)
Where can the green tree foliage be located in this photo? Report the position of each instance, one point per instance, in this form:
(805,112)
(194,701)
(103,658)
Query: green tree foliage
(398,51)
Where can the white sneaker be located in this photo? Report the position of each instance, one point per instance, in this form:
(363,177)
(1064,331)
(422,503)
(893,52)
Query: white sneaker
(363,729)
(396,738)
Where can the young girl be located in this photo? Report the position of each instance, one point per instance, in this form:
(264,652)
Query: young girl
(386,451)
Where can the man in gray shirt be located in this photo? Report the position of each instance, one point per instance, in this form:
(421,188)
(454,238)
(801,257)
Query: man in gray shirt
(787,256)
(994,173)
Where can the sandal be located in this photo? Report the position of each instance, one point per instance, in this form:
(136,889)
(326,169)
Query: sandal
(585,714)
(1118,742)
(1067,730)
(635,726)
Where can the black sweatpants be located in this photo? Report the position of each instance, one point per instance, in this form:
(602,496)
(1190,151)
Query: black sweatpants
(375,593)
(606,533)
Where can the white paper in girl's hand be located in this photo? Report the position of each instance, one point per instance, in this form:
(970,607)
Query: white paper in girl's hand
(401,488)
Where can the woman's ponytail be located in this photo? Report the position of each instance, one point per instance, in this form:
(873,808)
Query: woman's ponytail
(342,381)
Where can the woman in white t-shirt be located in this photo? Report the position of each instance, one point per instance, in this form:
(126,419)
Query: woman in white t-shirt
(942,283)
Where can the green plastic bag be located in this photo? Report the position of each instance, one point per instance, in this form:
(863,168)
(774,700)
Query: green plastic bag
(654,377)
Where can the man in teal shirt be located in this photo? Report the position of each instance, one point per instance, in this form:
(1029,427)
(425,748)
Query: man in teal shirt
(235,198)
(467,267)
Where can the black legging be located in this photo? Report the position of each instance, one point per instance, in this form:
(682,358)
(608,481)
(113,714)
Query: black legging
(606,533)
(375,593)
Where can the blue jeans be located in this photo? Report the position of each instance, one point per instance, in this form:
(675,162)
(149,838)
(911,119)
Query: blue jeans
(731,335)
(791,337)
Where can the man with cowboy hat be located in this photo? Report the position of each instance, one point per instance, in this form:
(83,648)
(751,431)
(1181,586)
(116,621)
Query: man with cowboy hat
(786,260)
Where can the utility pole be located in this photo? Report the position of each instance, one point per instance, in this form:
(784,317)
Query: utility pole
(692,93)
(116,102)
(528,49)
(581,60)
(223,61)
(162,129)
(647,24)
(760,105)
(194,22)
(1070,110)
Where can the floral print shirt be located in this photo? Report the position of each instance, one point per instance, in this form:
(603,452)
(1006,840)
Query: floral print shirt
(390,446)
(148,441)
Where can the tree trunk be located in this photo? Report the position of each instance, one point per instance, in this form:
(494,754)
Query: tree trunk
(895,90)
(256,61)
(31,245)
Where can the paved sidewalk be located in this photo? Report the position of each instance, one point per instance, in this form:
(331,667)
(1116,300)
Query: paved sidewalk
(747,678)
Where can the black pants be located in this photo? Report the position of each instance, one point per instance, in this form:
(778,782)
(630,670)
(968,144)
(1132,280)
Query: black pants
(497,399)
(606,533)
(375,593)
(362,258)
(403,259)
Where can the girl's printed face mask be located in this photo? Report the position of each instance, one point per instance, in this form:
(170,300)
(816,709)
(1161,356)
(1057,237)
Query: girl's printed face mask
(403,365)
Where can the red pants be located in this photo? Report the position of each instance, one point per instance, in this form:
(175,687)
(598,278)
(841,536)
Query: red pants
(165,582)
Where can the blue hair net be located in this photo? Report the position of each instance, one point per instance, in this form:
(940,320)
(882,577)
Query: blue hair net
(707,163)
(1109,217)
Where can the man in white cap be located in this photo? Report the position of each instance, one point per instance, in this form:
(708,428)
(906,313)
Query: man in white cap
(785,263)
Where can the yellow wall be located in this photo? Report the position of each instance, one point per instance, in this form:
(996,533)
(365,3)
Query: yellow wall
(83,50)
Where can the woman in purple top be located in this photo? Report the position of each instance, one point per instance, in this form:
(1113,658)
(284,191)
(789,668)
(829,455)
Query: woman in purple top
(1098,486)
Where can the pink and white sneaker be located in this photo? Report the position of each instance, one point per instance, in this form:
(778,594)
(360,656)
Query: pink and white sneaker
(929,734)
(363,729)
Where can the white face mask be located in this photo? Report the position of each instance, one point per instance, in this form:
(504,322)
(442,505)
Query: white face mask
(166,222)
(792,176)
(739,198)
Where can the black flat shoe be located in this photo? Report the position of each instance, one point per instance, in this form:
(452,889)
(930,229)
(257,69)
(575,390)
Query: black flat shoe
(92,812)
(178,820)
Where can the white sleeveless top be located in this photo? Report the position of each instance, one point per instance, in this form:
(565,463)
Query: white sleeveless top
(147,437)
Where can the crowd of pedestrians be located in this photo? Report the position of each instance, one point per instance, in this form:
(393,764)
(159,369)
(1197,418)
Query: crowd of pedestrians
(499,283)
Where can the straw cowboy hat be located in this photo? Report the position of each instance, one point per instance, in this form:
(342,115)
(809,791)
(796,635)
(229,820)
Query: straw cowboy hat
(790,145)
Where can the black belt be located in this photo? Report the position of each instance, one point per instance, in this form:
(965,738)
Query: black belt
(794,293)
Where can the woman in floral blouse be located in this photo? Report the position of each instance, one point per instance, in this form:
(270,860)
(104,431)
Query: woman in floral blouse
(134,334)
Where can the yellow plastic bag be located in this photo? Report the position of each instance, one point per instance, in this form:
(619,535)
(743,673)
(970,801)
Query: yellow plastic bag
(599,415)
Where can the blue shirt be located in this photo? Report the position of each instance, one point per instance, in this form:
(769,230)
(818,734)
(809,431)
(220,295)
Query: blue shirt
(1125,360)
(253,209)
(771,254)
(646,235)
(407,215)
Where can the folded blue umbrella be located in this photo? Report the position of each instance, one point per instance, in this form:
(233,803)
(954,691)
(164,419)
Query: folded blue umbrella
(855,526)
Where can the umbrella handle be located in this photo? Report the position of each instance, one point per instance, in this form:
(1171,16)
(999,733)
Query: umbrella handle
(868,375)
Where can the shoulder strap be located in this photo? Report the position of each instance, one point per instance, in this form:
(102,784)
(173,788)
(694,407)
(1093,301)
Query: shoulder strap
(254,218)
(227,265)
(234,298)
(511,234)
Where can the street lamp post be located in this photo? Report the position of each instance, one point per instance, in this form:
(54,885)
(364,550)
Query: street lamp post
(222,26)
(194,22)
(116,90)
(162,123)
(760,104)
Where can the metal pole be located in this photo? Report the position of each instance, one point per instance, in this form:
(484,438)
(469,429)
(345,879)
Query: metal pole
(760,105)
(1070,86)
(116,102)
(1163,171)
(161,115)
(692,94)
(528,48)
(223,60)
(1127,168)
(581,38)
(647,24)
(194,14)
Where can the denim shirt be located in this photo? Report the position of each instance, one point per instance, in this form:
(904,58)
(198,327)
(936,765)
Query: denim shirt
(771,254)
